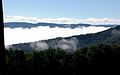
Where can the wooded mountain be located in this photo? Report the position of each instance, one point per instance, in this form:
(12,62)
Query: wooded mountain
(51,25)
(72,43)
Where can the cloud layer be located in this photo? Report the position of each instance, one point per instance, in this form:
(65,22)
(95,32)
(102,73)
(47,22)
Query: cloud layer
(21,35)
(61,20)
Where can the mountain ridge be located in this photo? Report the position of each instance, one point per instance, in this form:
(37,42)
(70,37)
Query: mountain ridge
(51,25)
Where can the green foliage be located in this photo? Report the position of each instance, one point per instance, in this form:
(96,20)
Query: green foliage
(96,58)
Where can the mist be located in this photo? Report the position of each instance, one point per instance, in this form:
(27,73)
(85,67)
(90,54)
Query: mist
(24,35)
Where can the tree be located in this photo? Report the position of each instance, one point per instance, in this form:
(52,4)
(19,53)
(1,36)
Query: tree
(2,48)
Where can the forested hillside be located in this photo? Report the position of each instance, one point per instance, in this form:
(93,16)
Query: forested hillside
(95,59)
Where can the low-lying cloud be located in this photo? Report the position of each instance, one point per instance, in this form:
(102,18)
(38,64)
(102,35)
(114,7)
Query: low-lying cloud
(39,45)
(61,20)
(23,35)
(69,45)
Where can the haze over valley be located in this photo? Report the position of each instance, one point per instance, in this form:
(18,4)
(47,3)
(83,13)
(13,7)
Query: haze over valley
(19,32)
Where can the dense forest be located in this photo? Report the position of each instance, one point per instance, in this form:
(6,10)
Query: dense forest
(95,59)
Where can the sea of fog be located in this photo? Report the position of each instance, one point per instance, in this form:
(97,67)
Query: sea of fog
(23,35)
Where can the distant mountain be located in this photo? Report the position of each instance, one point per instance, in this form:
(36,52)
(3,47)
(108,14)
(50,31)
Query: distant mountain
(51,25)
(70,44)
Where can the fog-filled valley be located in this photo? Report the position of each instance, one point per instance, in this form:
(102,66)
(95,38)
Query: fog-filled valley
(15,35)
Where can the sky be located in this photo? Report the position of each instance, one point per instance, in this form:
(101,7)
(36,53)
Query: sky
(62,8)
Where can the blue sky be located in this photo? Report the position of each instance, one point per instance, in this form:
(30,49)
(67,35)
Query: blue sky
(63,8)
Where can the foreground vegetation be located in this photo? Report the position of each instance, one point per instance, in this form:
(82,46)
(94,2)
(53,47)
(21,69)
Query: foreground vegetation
(94,59)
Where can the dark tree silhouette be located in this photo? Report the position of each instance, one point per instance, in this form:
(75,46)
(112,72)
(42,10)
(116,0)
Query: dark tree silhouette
(2,48)
(93,60)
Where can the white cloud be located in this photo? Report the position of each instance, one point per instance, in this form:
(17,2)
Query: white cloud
(39,45)
(100,21)
(21,35)
(61,20)
(21,19)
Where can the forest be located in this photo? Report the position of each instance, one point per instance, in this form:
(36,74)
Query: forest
(95,59)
